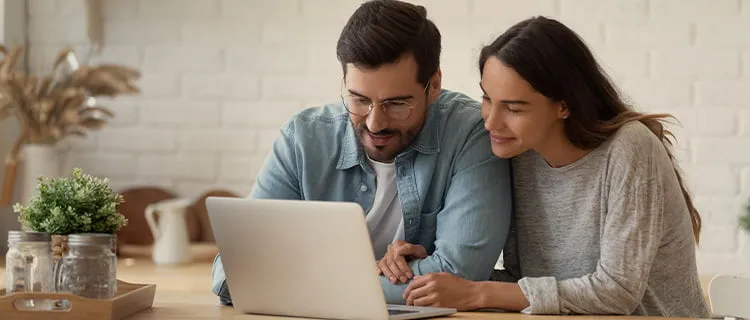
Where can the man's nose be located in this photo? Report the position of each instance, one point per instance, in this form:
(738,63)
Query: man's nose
(377,120)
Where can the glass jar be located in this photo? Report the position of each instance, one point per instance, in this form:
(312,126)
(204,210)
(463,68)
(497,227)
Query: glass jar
(89,269)
(28,262)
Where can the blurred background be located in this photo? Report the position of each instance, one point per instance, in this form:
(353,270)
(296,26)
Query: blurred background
(219,77)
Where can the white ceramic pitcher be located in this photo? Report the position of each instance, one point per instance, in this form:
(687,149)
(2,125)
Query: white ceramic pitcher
(171,241)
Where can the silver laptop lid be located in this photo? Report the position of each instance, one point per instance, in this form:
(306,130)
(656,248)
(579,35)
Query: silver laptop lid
(297,258)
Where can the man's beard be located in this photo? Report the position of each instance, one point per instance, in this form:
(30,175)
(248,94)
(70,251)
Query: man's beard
(389,152)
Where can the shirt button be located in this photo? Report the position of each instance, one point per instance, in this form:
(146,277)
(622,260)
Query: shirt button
(363,188)
(411,221)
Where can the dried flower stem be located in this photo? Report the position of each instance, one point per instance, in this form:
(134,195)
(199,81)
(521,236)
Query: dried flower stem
(11,168)
(57,105)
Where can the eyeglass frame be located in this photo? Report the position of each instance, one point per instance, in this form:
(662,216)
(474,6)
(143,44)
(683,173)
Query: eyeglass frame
(372,103)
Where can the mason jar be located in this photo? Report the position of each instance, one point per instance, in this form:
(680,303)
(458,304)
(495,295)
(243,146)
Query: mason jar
(89,269)
(28,262)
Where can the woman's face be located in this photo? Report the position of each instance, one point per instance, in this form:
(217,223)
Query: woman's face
(517,117)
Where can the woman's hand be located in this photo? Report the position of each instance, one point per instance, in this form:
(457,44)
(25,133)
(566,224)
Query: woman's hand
(443,290)
(448,290)
(393,264)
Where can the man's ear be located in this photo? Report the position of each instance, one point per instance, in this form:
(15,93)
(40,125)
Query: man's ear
(435,87)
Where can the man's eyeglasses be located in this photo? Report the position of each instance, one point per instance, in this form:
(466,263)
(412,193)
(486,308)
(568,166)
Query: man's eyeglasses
(361,106)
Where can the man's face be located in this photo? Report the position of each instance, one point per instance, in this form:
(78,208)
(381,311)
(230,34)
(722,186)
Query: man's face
(399,106)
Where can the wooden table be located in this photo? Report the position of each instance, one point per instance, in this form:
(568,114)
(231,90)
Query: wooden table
(181,310)
(183,292)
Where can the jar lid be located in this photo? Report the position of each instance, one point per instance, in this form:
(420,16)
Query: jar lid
(90,239)
(16,235)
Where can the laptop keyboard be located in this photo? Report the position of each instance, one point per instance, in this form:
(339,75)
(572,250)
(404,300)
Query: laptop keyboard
(394,312)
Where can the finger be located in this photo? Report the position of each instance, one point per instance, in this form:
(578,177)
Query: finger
(404,268)
(405,249)
(417,293)
(407,292)
(398,264)
(420,252)
(387,271)
(413,285)
(429,300)
(419,281)
(412,250)
(383,269)
(396,271)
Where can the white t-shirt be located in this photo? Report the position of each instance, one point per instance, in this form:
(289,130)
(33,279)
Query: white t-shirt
(385,221)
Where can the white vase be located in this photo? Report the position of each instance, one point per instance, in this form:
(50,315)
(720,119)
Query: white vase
(39,160)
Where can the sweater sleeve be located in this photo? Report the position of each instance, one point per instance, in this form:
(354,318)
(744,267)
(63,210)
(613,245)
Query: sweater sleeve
(630,239)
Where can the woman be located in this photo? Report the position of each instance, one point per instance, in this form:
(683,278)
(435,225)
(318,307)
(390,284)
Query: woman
(603,221)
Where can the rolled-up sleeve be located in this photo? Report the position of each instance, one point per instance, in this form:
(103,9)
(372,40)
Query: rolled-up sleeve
(219,282)
(473,225)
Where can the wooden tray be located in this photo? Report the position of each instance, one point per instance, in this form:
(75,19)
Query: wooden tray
(131,298)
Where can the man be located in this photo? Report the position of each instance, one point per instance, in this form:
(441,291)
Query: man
(414,156)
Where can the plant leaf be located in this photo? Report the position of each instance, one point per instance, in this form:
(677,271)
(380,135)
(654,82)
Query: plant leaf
(118,71)
(45,84)
(100,82)
(75,131)
(80,203)
(97,110)
(10,60)
(69,117)
(6,100)
(28,117)
(54,131)
(5,113)
(68,102)
(62,56)
(92,123)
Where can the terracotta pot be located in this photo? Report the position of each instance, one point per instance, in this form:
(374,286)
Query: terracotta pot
(60,246)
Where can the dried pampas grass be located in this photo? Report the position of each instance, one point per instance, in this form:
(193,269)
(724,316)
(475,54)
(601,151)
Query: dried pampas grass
(60,104)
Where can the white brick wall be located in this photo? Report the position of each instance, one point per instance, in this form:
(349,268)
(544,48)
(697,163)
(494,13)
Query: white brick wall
(220,76)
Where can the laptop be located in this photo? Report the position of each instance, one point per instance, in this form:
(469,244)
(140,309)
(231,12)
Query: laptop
(309,259)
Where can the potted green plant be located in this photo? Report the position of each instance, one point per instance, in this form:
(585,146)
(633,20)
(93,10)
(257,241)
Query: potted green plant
(80,203)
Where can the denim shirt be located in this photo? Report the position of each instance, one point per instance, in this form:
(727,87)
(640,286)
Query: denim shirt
(454,192)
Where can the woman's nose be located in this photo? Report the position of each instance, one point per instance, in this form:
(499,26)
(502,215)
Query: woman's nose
(493,120)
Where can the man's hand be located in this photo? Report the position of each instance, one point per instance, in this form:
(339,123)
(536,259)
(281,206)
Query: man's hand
(443,290)
(393,264)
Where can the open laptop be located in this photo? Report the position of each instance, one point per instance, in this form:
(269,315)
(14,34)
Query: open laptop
(302,259)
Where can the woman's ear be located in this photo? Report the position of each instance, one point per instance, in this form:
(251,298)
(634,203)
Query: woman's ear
(563,110)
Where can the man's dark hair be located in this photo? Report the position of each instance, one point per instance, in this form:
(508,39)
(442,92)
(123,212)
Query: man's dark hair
(381,31)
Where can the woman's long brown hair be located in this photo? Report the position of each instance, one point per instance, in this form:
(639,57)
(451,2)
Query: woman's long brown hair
(558,64)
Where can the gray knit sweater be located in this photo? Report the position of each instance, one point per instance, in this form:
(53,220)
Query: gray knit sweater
(608,234)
